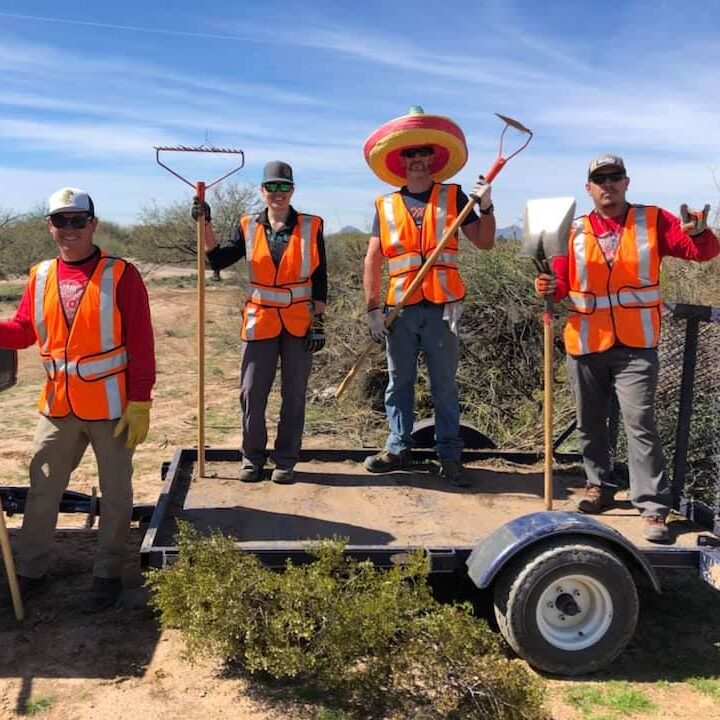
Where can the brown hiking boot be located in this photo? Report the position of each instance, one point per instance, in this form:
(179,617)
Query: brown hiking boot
(655,529)
(595,500)
(386,461)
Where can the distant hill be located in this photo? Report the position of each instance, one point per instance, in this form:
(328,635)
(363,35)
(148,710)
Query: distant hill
(511,232)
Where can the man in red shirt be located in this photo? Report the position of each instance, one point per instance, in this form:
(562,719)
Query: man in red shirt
(90,316)
(611,279)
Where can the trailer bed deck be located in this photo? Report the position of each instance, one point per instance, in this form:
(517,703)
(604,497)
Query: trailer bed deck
(338,498)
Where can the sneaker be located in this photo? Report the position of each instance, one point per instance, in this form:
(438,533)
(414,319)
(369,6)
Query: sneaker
(386,461)
(250,473)
(283,476)
(452,470)
(595,500)
(104,594)
(655,529)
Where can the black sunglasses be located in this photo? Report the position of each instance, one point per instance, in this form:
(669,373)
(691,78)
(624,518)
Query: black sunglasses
(421,151)
(78,222)
(602,178)
(278,186)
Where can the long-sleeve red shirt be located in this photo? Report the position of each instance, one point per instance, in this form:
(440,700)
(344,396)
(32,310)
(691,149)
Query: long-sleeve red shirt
(672,242)
(134,308)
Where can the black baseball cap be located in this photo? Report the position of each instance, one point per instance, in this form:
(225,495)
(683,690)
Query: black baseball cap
(278,171)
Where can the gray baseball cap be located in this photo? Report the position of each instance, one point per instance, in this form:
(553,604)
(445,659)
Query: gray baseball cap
(277,171)
(606,161)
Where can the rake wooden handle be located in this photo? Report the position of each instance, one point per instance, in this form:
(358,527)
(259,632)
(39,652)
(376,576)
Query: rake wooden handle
(200,224)
(10,568)
(414,285)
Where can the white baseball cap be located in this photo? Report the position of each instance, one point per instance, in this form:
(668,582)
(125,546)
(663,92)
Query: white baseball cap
(70,199)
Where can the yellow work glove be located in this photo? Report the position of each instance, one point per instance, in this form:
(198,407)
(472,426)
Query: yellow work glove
(136,419)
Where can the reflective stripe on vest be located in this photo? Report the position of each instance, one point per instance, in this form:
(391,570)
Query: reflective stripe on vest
(279,295)
(619,303)
(40,280)
(406,247)
(73,361)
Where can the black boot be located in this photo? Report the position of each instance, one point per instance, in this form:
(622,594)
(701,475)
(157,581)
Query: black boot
(104,594)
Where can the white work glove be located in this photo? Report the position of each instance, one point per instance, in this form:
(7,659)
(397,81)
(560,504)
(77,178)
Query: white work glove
(376,323)
(693,222)
(482,192)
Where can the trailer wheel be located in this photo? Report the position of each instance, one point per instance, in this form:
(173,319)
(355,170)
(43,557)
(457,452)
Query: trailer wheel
(568,608)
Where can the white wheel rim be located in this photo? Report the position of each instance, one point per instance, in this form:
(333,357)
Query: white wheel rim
(574,612)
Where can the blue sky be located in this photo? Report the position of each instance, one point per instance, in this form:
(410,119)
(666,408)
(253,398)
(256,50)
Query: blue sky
(88,89)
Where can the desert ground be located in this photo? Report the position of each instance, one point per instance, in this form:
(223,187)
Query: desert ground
(120,665)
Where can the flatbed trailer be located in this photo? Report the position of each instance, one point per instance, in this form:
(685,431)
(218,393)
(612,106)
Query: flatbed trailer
(563,584)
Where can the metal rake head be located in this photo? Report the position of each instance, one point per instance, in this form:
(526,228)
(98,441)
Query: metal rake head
(199,149)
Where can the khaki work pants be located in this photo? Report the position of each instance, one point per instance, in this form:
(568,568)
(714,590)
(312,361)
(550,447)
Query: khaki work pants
(59,445)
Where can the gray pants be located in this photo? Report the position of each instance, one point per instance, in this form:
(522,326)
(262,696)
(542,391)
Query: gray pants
(632,374)
(257,373)
(59,445)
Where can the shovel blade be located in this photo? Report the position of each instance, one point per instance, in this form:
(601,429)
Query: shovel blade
(546,227)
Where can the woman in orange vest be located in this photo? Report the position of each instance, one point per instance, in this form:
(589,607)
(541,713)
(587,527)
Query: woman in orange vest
(611,279)
(417,152)
(89,314)
(283,316)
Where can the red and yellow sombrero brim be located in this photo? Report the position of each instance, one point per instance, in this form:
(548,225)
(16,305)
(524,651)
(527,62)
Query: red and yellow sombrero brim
(382,149)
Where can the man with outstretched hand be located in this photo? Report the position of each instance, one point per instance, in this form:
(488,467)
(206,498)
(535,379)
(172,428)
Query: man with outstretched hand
(283,316)
(88,311)
(611,279)
(418,152)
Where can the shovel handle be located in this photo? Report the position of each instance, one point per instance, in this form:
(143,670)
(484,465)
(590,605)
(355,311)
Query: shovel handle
(548,401)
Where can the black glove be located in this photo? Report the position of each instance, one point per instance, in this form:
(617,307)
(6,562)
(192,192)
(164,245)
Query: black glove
(199,209)
(315,338)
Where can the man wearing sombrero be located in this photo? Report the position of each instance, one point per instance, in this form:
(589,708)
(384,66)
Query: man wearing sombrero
(417,152)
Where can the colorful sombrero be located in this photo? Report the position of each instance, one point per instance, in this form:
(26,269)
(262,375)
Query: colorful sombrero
(382,149)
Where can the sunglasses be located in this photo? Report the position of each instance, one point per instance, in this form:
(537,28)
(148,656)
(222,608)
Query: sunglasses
(413,152)
(278,186)
(78,222)
(602,178)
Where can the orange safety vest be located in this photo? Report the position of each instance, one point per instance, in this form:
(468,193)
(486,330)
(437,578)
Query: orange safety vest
(619,303)
(85,362)
(406,247)
(280,297)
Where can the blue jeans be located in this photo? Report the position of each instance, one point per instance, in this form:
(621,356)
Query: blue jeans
(421,327)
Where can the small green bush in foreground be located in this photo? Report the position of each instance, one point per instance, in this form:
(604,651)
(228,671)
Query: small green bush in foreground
(364,639)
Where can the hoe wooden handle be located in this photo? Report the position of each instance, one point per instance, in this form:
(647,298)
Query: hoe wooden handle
(414,285)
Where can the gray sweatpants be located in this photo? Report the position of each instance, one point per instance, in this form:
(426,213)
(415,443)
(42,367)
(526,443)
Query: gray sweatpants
(632,373)
(257,373)
(59,445)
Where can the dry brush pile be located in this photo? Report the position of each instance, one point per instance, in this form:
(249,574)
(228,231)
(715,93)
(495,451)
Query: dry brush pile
(500,371)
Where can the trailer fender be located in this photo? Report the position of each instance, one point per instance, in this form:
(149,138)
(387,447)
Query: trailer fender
(492,553)
(710,566)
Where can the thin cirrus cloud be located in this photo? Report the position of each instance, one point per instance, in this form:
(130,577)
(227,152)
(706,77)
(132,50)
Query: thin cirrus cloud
(312,90)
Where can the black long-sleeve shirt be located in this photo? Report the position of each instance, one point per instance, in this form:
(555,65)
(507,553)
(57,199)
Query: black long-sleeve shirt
(222,257)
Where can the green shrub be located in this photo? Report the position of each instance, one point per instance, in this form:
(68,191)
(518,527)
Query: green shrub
(364,639)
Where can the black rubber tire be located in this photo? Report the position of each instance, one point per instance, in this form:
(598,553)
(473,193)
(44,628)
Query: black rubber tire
(519,588)
(423,435)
